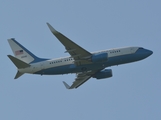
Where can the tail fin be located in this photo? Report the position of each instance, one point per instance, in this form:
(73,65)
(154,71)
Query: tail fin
(21,52)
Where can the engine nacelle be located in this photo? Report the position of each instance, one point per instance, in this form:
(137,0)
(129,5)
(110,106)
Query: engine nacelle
(104,74)
(101,57)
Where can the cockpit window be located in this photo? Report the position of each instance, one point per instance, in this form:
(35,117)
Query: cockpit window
(141,48)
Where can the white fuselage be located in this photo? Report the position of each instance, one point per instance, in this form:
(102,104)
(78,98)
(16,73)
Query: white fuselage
(53,63)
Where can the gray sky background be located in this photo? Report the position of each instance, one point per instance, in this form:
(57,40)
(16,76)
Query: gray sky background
(132,93)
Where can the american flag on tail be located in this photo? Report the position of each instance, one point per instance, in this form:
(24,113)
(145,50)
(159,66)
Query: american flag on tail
(18,52)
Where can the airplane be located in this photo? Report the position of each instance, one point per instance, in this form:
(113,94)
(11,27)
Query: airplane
(83,63)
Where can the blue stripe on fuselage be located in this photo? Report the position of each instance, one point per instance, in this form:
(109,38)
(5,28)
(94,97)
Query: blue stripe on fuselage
(117,60)
(70,68)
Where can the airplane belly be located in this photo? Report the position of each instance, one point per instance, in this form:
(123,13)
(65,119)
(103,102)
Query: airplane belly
(71,68)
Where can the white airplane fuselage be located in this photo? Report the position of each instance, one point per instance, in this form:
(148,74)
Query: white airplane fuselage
(66,65)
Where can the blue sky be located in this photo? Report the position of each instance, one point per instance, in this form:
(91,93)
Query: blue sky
(132,93)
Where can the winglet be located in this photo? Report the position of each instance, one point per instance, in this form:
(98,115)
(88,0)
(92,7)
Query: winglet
(66,85)
(51,28)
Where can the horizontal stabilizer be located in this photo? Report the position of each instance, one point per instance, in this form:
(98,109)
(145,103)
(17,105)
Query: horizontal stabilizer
(18,63)
(18,74)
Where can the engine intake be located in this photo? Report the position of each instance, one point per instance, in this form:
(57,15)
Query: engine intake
(101,57)
(103,74)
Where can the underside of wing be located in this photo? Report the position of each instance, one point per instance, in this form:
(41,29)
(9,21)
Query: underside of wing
(80,55)
(80,79)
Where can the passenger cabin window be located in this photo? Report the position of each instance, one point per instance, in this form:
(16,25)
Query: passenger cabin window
(115,51)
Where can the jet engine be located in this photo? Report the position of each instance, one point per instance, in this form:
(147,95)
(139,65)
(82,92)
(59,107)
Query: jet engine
(103,74)
(101,57)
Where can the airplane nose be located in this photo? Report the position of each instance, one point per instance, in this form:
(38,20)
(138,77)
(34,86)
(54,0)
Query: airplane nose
(144,53)
(149,52)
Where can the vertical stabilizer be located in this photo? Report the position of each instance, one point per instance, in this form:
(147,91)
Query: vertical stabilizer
(21,52)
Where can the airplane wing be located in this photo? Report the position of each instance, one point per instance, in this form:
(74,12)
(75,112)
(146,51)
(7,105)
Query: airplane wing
(80,79)
(80,55)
